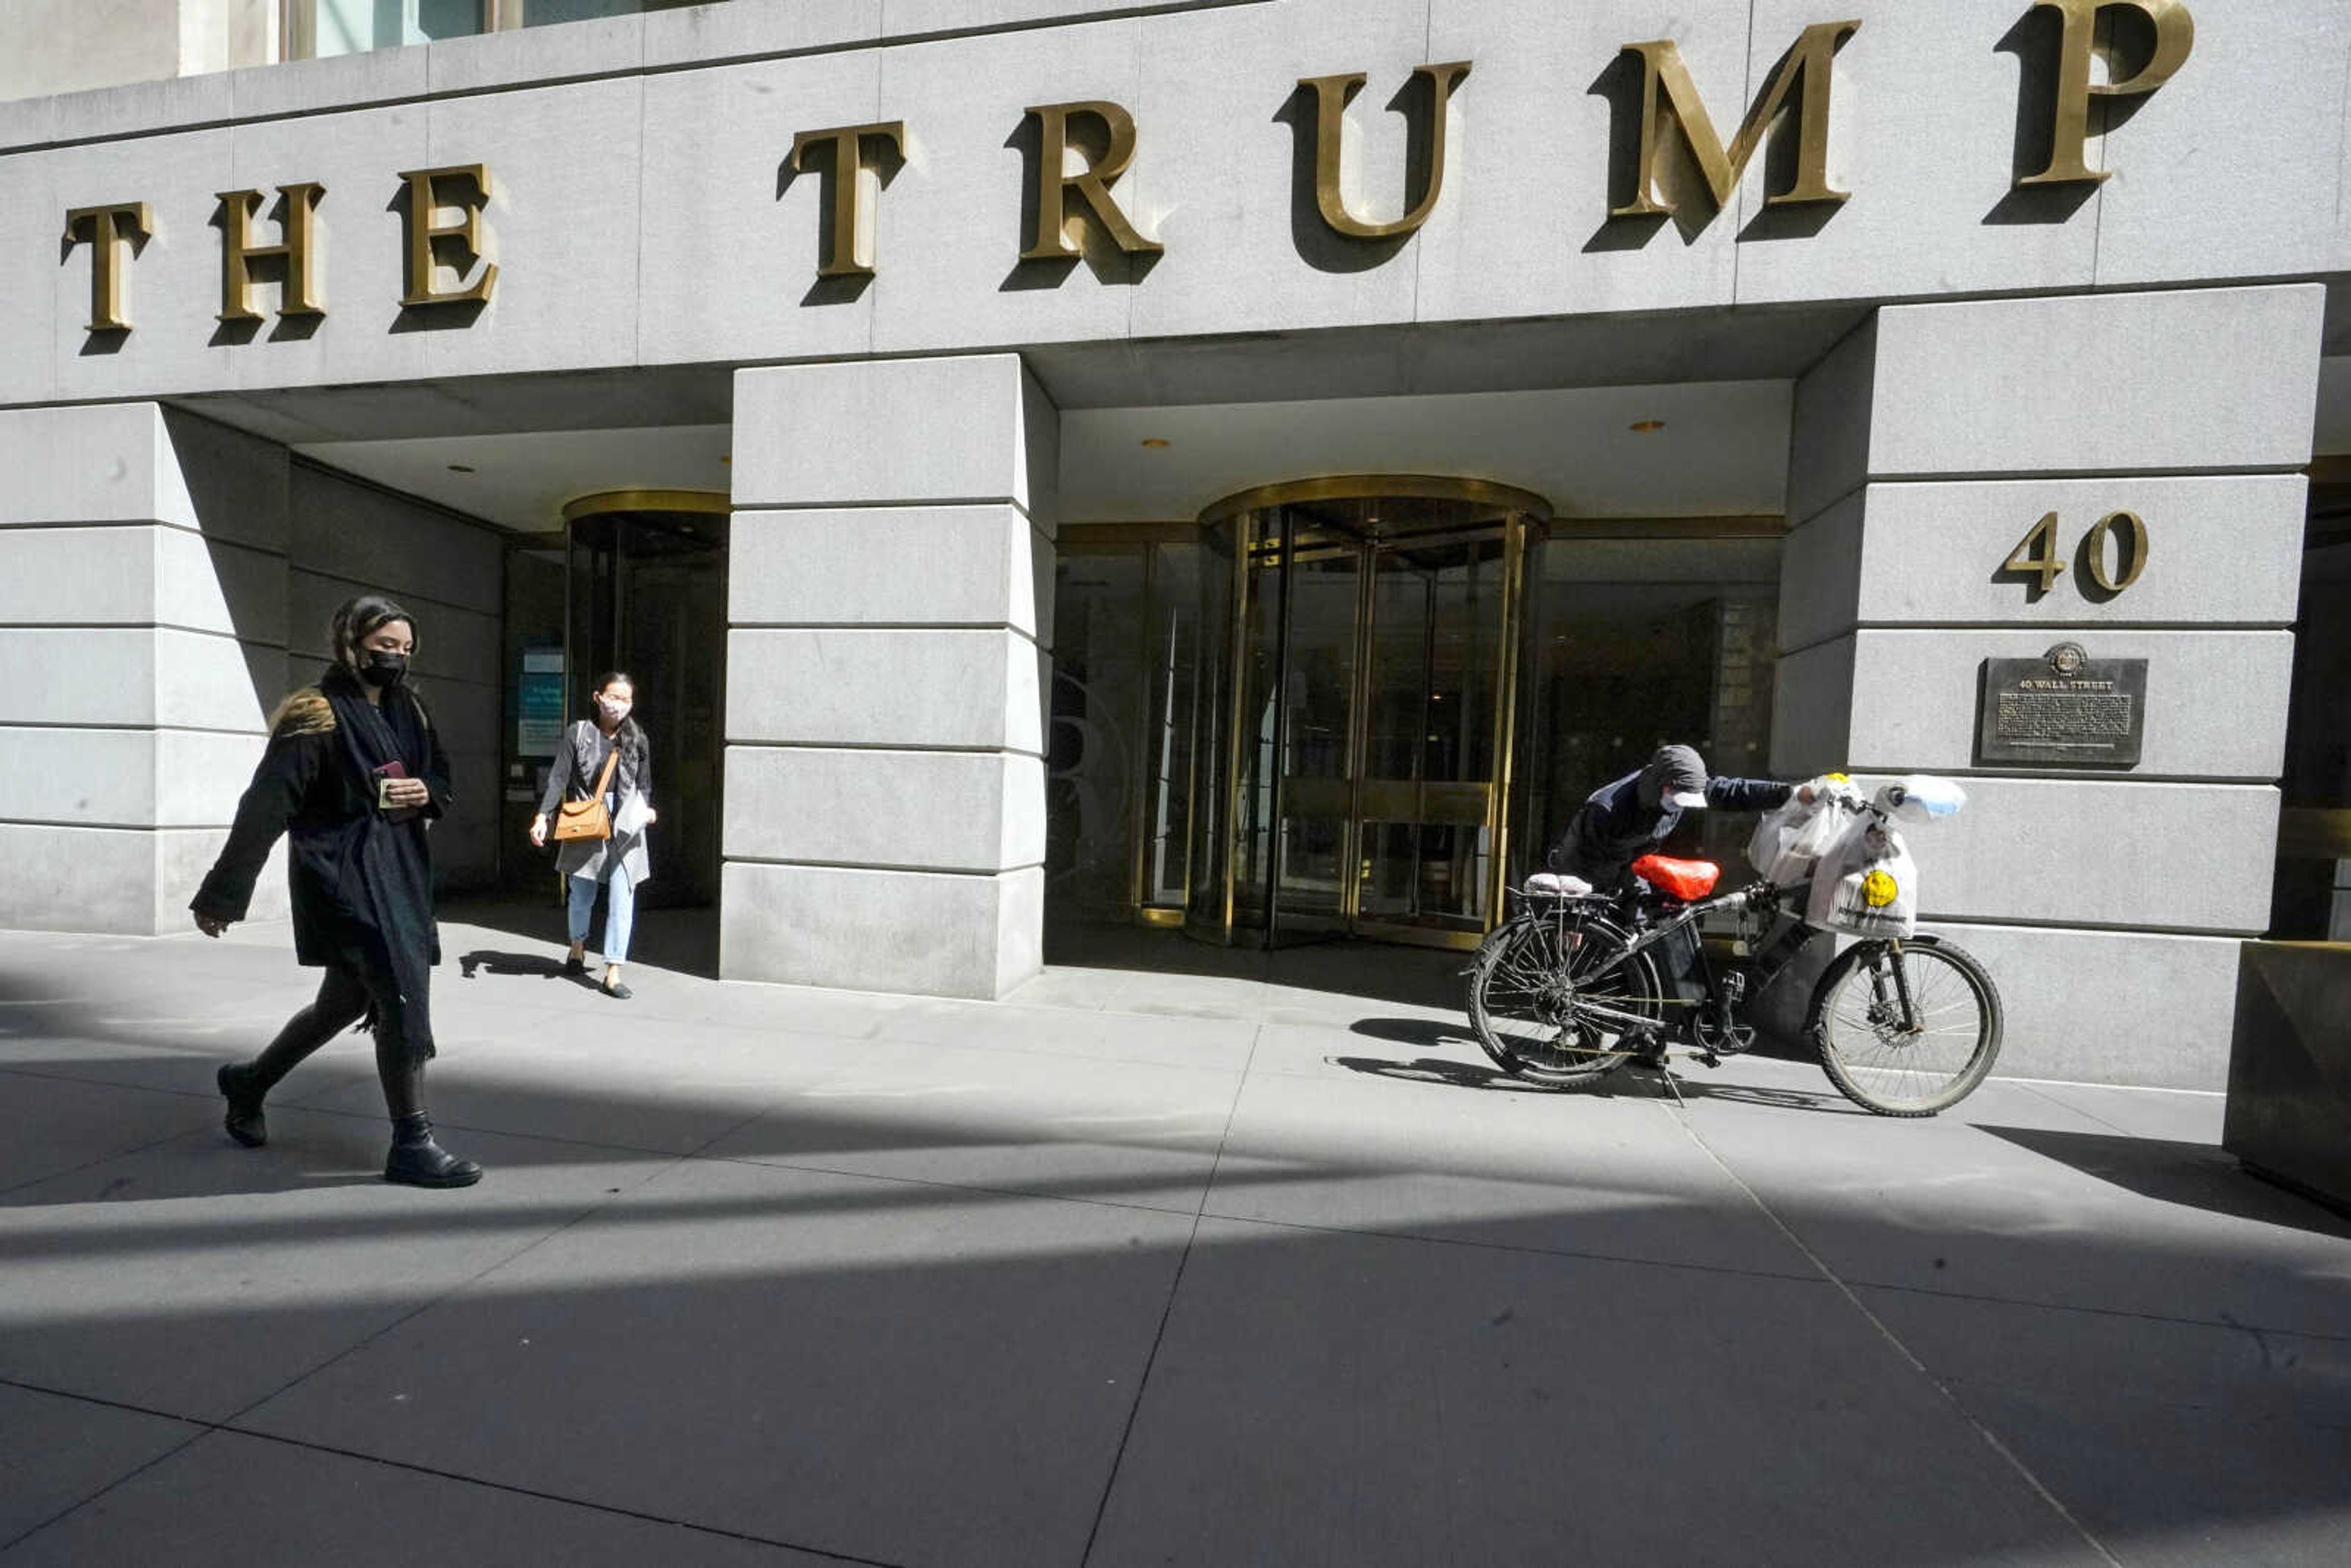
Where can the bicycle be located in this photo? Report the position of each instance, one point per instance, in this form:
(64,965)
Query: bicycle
(1569,990)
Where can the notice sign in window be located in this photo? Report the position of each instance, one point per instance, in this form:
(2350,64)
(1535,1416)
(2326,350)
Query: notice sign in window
(538,703)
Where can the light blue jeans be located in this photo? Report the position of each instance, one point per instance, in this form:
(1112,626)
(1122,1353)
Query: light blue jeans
(620,915)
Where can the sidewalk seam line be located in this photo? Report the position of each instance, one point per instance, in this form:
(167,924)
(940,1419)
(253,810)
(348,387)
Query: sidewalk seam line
(1990,1438)
(201,1432)
(435,1300)
(1175,1289)
(205,1429)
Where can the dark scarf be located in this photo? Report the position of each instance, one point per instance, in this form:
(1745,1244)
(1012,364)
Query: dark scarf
(384,868)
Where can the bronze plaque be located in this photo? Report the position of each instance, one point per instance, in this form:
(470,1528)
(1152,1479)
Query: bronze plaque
(2064,709)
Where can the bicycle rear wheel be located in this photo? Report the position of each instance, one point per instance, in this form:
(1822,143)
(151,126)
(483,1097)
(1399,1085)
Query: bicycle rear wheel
(1913,1068)
(1531,990)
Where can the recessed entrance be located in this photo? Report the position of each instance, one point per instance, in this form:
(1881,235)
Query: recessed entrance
(1362,706)
(647,571)
(1361,767)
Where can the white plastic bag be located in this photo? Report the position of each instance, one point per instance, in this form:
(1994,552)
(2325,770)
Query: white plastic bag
(1767,849)
(1866,884)
(631,818)
(1831,818)
(1923,798)
(1794,835)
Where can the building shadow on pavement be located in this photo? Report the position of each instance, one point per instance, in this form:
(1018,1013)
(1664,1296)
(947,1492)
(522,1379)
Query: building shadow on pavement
(2195,1175)
(908,1306)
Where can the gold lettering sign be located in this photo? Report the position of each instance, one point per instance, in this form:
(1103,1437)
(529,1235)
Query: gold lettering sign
(298,294)
(2175,36)
(850,253)
(110,227)
(424,226)
(1662,68)
(1091,184)
(1330,96)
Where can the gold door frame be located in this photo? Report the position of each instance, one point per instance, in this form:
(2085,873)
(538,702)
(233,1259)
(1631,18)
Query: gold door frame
(1524,518)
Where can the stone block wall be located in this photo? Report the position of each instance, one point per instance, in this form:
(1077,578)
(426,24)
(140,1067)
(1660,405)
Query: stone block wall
(890,611)
(2109,902)
(163,581)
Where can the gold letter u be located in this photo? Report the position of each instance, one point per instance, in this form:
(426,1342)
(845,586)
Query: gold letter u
(1330,96)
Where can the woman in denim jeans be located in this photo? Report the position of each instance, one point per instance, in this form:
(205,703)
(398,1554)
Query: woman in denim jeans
(618,862)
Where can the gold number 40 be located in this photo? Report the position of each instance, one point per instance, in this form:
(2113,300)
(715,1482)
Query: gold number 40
(2036,555)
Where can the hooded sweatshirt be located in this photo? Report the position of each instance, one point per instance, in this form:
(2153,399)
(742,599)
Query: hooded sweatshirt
(1620,823)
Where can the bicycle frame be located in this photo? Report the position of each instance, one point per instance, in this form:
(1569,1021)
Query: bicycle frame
(1753,894)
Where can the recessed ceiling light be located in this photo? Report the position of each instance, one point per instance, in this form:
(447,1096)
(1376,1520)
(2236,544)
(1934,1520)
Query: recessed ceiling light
(1643,426)
(460,468)
(1157,443)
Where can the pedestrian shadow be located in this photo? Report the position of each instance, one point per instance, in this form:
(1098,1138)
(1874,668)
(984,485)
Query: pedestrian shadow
(497,963)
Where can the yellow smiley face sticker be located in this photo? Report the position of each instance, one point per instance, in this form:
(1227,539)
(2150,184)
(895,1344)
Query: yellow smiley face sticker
(1877,889)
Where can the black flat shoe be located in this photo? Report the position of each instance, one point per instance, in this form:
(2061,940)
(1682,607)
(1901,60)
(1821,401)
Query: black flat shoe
(416,1160)
(575,966)
(618,991)
(243,1120)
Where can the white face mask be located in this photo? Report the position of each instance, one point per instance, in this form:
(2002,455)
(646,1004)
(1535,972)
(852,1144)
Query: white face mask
(613,710)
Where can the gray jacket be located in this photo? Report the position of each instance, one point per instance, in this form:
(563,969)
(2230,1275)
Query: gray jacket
(573,776)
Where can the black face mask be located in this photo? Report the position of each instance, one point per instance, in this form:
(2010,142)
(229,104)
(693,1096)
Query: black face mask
(382,669)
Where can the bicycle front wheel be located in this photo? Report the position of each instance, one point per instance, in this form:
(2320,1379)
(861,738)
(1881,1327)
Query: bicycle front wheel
(1536,993)
(1906,1029)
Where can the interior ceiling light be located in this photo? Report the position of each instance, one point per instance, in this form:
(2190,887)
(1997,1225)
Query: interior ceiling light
(1643,426)
(460,468)
(1157,443)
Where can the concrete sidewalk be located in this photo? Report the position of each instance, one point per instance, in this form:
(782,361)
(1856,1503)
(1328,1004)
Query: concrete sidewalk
(765,1276)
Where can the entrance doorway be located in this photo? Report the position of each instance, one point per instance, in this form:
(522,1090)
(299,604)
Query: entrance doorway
(1367,707)
(647,595)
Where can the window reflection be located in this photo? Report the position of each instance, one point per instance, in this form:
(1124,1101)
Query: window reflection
(318,29)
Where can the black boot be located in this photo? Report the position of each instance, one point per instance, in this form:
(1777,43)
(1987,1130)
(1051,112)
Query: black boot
(417,1161)
(243,1120)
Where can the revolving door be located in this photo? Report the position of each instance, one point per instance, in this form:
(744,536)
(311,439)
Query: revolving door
(1360,754)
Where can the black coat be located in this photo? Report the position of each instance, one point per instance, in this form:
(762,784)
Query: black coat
(1620,823)
(362,882)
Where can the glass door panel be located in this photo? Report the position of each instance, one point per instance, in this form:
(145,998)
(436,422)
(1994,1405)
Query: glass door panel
(1436,679)
(1317,730)
(1374,652)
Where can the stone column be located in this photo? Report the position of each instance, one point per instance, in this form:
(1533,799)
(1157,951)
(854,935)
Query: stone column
(888,603)
(143,631)
(2107,902)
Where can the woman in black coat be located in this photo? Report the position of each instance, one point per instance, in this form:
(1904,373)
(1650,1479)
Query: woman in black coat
(351,775)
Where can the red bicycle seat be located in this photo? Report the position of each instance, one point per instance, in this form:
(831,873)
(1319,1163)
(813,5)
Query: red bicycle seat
(1685,880)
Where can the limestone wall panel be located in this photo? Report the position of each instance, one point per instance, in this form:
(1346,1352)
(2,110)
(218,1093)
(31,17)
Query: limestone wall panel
(2216,701)
(953,235)
(973,566)
(892,688)
(2272,79)
(923,810)
(1527,188)
(927,933)
(2220,550)
(732,235)
(1923,134)
(2109,1006)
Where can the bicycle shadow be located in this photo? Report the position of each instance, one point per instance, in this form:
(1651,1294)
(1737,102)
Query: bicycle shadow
(1437,1070)
(1631,1082)
(1424,1034)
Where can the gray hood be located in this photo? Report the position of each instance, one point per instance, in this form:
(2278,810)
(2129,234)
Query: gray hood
(1671,770)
